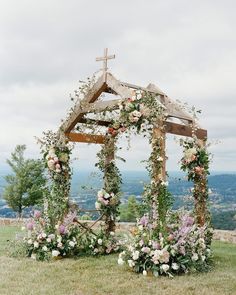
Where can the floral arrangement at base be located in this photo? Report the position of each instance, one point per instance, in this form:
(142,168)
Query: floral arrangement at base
(182,248)
(43,244)
(102,244)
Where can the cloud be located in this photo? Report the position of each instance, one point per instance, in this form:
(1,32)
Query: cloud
(185,47)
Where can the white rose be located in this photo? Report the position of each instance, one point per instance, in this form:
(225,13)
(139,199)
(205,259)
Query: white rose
(175,266)
(44,235)
(72,244)
(131,263)
(136,114)
(165,267)
(135,255)
(33,256)
(120,261)
(194,257)
(48,240)
(106,196)
(29,242)
(144,272)
(36,244)
(55,253)
(45,248)
(99,241)
(51,165)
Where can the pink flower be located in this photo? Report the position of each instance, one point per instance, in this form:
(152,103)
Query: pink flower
(62,229)
(30,225)
(37,214)
(144,220)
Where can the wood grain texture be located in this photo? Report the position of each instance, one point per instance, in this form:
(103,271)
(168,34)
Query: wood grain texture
(87,138)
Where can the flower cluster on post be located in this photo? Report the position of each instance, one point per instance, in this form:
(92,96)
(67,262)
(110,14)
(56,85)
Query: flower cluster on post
(196,163)
(56,153)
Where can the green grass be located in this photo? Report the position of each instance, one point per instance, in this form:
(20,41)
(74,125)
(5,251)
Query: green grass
(102,276)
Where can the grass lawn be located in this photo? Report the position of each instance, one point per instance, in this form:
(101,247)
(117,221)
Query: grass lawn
(102,276)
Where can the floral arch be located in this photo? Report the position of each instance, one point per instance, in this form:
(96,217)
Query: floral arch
(105,108)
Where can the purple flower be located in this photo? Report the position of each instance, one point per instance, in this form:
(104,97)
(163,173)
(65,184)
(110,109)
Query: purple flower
(144,220)
(62,229)
(30,225)
(37,214)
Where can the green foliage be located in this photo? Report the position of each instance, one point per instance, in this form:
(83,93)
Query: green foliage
(130,211)
(224,220)
(26,186)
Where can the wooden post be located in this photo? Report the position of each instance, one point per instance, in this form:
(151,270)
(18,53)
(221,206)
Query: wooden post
(158,173)
(109,146)
(200,196)
(159,142)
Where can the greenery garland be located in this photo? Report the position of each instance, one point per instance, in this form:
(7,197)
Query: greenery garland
(56,154)
(195,162)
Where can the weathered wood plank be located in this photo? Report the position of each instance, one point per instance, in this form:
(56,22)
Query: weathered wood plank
(95,122)
(173,109)
(87,138)
(91,96)
(184,130)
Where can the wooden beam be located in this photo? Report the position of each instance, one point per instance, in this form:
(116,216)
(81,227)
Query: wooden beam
(88,138)
(173,108)
(91,96)
(100,106)
(184,130)
(95,122)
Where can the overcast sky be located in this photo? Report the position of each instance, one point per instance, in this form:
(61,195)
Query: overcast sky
(187,48)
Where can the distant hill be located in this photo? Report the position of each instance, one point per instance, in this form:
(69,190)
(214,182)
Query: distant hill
(85,185)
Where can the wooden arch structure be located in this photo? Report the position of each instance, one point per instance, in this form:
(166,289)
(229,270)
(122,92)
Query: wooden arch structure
(177,120)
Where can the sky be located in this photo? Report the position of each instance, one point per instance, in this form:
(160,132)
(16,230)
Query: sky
(187,48)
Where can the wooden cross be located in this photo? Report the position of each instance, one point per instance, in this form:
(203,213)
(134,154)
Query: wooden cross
(105,59)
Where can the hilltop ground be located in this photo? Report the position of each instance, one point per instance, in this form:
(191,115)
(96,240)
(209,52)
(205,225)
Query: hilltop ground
(102,276)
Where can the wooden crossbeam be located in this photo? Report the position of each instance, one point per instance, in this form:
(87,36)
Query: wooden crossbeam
(170,127)
(88,138)
(184,130)
(95,122)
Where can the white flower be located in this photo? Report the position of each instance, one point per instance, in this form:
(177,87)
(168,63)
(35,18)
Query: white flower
(106,196)
(136,114)
(51,165)
(33,256)
(100,194)
(144,272)
(72,244)
(36,244)
(23,228)
(99,241)
(59,238)
(45,248)
(165,267)
(175,266)
(97,205)
(29,242)
(55,253)
(49,240)
(159,158)
(136,255)
(112,233)
(203,258)
(194,257)
(189,153)
(131,263)
(44,235)
(120,261)
(60,245)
